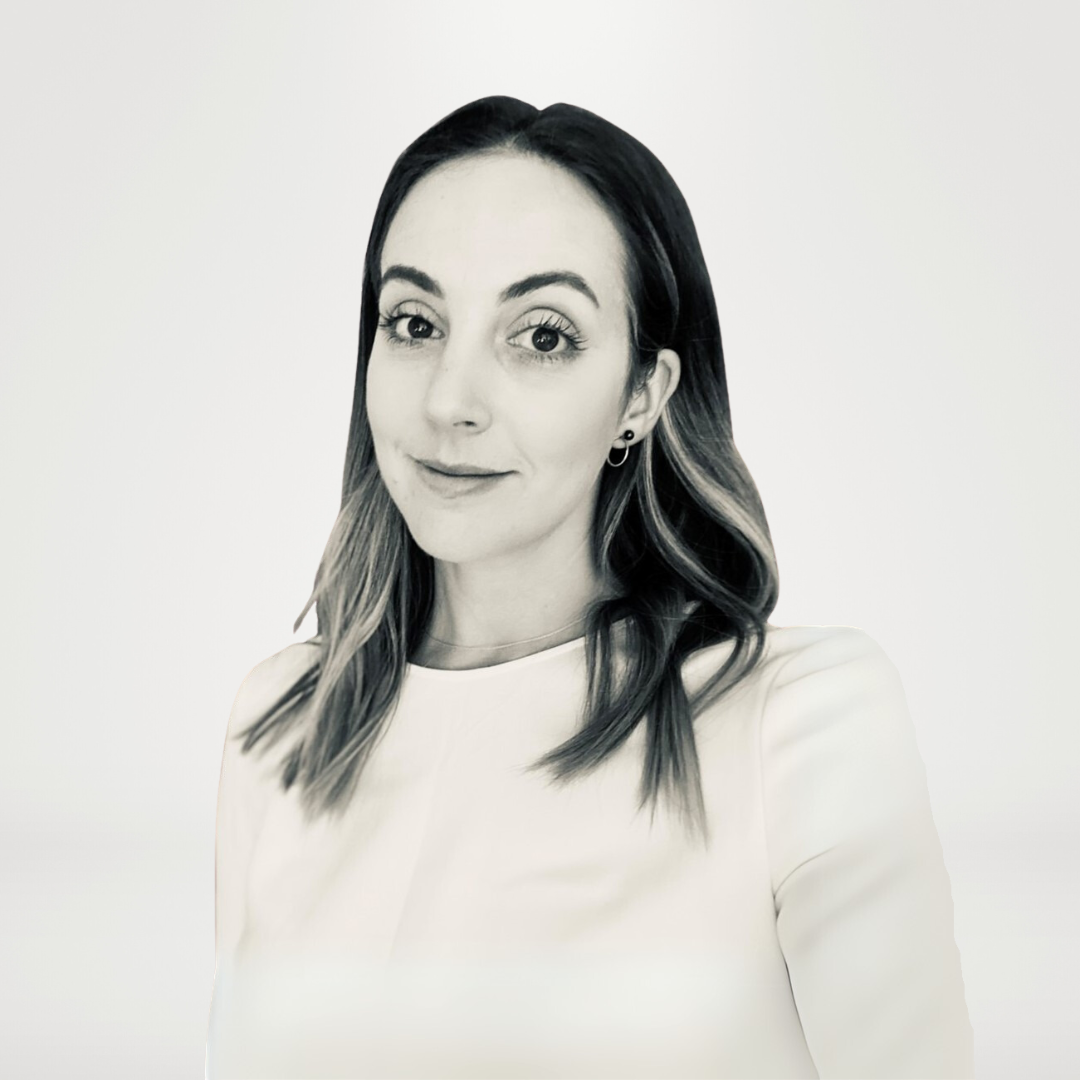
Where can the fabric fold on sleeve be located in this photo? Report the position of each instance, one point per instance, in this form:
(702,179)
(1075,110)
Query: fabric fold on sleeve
(863,899)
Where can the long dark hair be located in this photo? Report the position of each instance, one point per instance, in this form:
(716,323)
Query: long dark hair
(680,527)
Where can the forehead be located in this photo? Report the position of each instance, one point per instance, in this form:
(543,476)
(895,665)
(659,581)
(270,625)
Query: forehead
(482,223)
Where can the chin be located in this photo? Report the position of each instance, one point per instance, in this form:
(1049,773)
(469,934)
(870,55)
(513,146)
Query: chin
(460,542)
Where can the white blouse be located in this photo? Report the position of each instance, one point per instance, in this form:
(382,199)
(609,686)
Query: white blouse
(468,918)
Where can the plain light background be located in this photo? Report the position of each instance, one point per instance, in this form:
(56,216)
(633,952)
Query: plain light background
(886,197)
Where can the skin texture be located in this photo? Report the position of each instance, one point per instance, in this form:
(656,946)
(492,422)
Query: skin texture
(478,387)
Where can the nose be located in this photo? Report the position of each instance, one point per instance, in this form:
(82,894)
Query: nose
(459,382)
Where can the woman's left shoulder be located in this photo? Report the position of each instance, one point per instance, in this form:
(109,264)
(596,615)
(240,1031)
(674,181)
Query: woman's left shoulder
(791,652)
(835,706)
(820,646)
(829,664)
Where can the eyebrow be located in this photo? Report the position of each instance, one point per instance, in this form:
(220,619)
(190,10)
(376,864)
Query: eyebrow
(397,272)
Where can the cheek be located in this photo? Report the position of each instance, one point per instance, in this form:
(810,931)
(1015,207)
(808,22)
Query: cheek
(384,415)
(573,434)
(381,402)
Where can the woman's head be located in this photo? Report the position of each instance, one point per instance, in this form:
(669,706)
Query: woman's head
(490,195)
(505,333)
(577,171)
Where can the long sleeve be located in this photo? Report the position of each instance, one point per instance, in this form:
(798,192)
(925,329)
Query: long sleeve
(863,899)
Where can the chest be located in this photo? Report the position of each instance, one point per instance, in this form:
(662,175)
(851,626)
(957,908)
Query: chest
(454,847)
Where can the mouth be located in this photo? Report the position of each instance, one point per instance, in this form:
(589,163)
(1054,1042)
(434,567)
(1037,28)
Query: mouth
(460,470)
(450,485)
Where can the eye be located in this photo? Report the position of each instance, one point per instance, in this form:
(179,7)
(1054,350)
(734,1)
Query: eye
(543,336)
(417,328)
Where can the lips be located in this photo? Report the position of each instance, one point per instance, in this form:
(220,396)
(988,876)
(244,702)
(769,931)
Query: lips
(450,486)
(459,470)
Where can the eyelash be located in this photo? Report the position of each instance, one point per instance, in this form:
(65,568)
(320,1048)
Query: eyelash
(574,339)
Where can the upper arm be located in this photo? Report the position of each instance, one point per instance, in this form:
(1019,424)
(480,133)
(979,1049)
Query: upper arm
(244,783)
(863,900)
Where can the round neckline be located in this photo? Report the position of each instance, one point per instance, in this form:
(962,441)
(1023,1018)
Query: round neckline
(492,669)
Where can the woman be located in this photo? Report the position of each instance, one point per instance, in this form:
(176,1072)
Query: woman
(543,608)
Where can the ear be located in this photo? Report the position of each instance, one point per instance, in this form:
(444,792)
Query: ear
(648,403)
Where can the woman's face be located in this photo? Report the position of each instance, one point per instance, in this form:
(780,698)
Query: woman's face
(503,343)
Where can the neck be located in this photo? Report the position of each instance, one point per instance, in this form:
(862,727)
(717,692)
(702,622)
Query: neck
(483,608)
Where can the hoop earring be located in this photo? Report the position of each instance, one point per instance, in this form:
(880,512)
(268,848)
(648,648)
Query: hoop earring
(627,435)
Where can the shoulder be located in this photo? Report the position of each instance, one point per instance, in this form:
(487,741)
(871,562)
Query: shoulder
(795,652)
(832,678)
(835,678)
(248,774)
(268,680)
(837,743)
(791,653)
(247,784)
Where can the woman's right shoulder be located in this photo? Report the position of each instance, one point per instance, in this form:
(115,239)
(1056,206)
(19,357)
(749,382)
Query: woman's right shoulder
(270,678)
